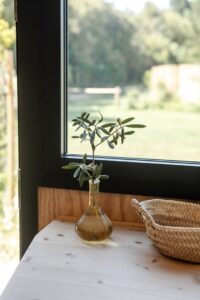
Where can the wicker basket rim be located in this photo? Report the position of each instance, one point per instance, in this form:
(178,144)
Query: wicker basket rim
(168,227)
(171,202)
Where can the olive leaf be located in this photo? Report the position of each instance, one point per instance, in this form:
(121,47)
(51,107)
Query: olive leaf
(110,144)
(101,118)
(76,173)
(70,166)
(107,125)
(129,132)
(104,130)
(122,135)
(92,138)
(127,121)
(136,126)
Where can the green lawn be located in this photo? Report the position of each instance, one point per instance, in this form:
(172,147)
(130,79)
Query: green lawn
(173,135)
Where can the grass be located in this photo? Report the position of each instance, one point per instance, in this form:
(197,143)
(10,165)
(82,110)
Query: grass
(170,135)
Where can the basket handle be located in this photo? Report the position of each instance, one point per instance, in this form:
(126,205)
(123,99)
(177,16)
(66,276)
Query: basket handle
(143,213)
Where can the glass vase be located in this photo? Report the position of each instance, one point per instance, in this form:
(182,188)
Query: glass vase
(94,225)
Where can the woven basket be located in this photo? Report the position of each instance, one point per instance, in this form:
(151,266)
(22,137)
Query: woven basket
(173,226)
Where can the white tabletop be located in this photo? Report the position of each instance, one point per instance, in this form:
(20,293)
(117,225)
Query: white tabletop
(58,265)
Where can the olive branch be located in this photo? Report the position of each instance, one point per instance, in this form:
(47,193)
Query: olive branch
(97,132)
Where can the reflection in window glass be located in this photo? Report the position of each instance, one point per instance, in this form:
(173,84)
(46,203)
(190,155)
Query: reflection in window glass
(142,59)
(9,217)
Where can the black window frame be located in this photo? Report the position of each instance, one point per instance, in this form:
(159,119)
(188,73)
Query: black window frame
(41,150)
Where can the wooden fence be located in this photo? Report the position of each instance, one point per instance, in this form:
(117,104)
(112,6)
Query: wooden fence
(115,91)
(182,80)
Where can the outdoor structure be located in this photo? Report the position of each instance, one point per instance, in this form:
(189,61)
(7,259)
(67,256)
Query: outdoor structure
(115,91)
(182,80)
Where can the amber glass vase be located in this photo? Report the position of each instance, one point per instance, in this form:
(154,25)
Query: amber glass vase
(94,225)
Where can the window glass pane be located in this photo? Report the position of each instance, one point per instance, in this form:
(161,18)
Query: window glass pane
(9,213)
(141,59)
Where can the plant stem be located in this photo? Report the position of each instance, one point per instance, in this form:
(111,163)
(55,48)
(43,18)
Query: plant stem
(93,156)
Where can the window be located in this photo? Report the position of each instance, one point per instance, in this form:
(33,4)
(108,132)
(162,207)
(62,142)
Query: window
(134,59)
(161,172)
(40,112)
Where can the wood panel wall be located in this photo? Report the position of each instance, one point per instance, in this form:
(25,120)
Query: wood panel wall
(53,203)
(65,204)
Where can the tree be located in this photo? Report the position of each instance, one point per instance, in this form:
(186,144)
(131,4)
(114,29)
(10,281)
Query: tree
(112,47)
(99,46)
(7,40)
(8,12)
(7,32)
(180,6)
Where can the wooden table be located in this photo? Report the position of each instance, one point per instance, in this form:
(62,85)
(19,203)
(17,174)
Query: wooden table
(58,265)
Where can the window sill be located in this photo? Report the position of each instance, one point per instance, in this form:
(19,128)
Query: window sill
(59,264)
